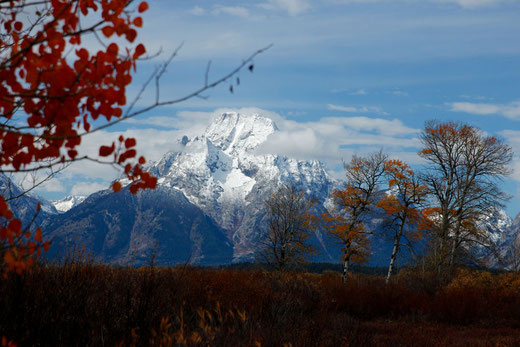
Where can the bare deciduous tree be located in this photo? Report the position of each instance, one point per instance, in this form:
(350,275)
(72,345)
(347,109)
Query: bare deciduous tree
(465,168)
(289,226)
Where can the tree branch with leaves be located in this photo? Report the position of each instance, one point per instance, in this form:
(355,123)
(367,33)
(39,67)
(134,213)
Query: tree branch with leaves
(56,90)
(352,204)
(401,205)
(464,169)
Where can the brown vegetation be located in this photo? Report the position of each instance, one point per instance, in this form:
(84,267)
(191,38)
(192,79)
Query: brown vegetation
(95,305)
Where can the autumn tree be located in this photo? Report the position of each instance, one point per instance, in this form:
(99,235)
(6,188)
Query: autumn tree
(464,169)
(402,204)
(290,222)
(56,90)
(352,204)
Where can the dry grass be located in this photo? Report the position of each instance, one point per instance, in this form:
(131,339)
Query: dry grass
(77,304)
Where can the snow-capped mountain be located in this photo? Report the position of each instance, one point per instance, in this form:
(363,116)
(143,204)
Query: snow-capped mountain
(68,202)
(23,203)
(223,173)
(208,204)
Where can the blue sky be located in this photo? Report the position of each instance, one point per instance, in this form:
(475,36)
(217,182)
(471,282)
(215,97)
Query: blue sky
(342,77)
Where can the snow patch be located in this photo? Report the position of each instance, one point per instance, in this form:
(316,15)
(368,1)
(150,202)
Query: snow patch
(68,202)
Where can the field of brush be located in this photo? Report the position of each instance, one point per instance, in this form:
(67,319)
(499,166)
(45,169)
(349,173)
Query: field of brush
(77,304)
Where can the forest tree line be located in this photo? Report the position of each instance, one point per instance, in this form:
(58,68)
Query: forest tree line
(445,204)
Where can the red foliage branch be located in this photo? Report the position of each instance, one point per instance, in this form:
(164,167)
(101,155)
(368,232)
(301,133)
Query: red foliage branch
(53,88)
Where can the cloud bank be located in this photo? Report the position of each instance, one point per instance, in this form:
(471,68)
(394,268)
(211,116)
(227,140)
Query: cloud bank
(511,110)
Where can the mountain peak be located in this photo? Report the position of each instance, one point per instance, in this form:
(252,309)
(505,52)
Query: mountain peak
(233,131)
(68,202)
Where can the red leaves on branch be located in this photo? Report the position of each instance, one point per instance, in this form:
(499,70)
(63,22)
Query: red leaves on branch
(143,6)
(59,95)
(139,50)
(105,151)
(130,142)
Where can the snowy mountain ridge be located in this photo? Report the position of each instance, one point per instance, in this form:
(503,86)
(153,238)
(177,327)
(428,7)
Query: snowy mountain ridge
(68,202)
(222,172)
(208,206)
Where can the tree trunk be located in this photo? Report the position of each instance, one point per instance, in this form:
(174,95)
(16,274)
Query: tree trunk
(282,259)
(346,264)
(444,239)
(455,242)
(394,254)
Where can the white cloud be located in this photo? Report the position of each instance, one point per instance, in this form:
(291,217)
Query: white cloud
(511,110)
(472,97)
(52,186)
(87,188)
(330,139)
(470,4)
(159,121)
(351,109)
(359,92)
(237,11)
(197,11)
(292,7)
(400,93)
(333,139)
(393,127)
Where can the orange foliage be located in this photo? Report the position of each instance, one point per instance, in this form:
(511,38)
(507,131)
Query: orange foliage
(406,197)
(352,203)
(59,94)
(356,246)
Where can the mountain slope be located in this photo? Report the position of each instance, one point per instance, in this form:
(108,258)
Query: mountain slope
(129,229)
(24,204)
(68,202)
(223,173)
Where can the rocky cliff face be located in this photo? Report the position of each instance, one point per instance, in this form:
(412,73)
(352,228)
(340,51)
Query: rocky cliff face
(208,204)
(222,173)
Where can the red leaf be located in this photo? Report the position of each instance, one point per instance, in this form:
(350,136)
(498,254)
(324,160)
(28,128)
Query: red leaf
(8,258)
(130,142)
(38,235)
(143,6)
(112,49)
(134,188)
(108,31)
(15,225)
(105,151)
(72,153)
(139,50)
(116,187)
(131,34)
(138,22)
